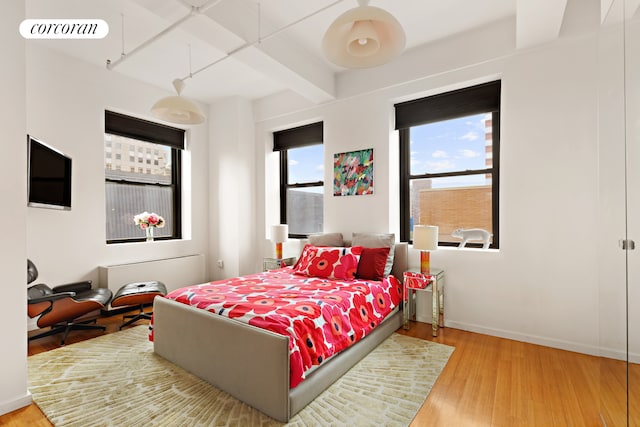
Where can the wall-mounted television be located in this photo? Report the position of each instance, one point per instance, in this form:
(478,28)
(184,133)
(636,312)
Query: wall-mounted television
(49,176)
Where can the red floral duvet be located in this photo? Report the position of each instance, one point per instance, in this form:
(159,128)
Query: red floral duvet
(321,316)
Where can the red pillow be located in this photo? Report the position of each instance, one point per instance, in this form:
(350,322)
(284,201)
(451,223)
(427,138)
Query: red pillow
(328,262)
(372,263)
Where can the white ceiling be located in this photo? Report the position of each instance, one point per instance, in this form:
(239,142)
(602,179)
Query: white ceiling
(290,60)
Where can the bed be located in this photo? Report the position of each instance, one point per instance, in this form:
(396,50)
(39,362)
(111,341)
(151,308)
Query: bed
(252,364)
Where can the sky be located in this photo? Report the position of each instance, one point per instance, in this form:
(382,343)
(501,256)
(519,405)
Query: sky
(306,164)
(450,146)
(445,146)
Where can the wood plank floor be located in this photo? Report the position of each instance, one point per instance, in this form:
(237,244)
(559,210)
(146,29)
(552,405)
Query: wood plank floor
(488,381)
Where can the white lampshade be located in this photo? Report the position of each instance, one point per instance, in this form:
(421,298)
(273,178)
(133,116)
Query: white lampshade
(425,237)
(177,109)
(362,37)
(279,233)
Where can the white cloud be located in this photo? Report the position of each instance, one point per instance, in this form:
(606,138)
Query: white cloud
(320,167)
(470,136)
(293,162)
(441,166)
(469,153)
(414,159)
(439,154)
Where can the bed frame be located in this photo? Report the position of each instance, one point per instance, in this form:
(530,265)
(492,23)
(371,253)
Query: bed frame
(252,364)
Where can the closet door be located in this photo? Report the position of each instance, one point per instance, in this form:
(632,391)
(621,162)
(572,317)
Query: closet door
(612,210)
(632,138)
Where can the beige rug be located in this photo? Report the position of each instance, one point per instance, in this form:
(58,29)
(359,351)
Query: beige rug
(117,380)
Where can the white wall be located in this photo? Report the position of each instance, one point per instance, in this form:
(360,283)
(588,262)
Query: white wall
(13,185)
(232,189)
(542,284)
(66,99)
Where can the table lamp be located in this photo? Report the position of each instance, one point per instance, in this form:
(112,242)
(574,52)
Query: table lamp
(425,238)
(279,234)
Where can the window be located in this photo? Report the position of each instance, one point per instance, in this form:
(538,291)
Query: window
(130,189)
(301,178)
(450,162)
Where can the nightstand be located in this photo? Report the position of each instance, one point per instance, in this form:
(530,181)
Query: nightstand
(274,263)
(434,282)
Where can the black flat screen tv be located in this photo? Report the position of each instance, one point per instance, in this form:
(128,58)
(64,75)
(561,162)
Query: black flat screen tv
(49,176)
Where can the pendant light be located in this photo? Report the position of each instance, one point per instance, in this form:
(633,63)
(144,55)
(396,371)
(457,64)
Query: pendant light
(365,36)
(178,109)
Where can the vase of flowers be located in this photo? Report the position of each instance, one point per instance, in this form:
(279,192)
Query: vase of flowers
(147,222)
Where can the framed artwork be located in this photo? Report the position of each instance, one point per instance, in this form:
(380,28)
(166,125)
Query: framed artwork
(353,173)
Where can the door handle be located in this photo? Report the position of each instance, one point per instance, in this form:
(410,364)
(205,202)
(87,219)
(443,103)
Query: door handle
(627,244)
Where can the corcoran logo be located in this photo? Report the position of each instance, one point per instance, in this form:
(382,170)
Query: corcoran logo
(64,28)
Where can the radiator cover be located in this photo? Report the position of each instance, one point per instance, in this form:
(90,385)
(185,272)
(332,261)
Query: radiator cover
(173,272)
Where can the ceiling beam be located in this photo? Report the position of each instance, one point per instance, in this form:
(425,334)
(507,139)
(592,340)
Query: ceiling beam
(277,57)
(613,11)
(237,29)
(538,21)
(632,8)
(605,7)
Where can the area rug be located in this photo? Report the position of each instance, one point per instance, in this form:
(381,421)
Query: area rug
(117,380)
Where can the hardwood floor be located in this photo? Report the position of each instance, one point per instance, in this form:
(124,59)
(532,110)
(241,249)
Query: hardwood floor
(488,381)
(491,381)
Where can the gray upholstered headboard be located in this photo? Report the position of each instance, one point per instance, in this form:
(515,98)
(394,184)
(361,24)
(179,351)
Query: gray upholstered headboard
(400,260)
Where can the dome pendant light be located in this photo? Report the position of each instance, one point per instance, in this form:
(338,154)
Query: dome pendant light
(178,109)
(365,36)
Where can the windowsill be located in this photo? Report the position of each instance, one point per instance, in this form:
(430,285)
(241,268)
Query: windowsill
(466,249)
(137,242)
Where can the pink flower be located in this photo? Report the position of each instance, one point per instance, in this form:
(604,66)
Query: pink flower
(322,265)
(310,341)
(381,300)
(395,290)
(309,309)
(361,316)
(347,267)
(146,220)
(337,330)
(153,219)
(259,304)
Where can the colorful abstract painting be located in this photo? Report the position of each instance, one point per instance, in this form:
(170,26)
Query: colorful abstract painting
(353,173)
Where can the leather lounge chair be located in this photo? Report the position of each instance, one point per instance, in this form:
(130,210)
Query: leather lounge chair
(62,307)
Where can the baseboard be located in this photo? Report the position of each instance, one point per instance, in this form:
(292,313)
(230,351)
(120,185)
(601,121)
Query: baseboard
(21,402)
(547,342)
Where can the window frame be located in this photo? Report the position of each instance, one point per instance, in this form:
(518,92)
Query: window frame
(483,98)
(167,136)
(298,137)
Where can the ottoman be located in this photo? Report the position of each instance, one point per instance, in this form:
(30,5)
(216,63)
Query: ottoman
(138,293)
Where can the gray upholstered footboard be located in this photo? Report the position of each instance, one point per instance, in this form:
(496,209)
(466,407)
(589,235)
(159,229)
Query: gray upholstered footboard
(250,364)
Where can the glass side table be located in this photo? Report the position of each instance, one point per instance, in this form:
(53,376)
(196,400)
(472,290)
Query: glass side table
(434,282)
(275,263)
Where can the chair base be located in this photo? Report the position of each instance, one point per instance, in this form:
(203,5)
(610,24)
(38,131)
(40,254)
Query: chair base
(67,327)
(135,317)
